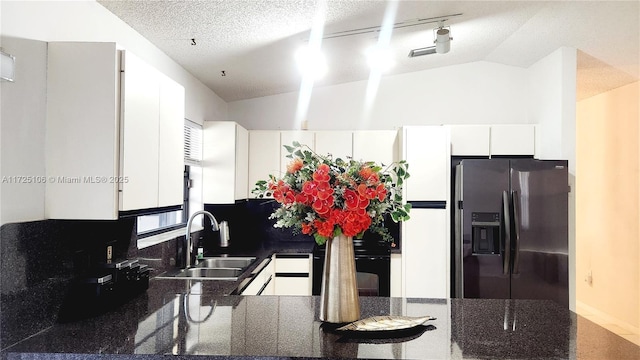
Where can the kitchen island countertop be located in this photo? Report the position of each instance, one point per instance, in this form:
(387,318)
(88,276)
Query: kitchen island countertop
(187,318)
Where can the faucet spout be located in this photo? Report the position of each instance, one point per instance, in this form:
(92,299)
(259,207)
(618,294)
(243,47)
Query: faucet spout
(214,226)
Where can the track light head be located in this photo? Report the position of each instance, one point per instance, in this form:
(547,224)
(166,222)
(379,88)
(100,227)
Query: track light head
(443,40)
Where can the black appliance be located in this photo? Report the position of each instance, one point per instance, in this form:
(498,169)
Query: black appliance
(373,267)
(511,229)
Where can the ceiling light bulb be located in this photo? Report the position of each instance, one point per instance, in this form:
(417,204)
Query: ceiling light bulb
(380,58)
(311,62)
(443,41)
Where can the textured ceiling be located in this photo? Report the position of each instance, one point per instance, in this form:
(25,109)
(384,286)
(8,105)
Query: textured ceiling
(253,41)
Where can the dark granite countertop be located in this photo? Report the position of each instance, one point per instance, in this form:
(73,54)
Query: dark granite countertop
(185,318)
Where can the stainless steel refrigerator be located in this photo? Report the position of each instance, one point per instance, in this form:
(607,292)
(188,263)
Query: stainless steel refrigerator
(511,229)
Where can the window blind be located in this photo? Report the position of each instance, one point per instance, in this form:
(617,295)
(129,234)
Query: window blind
(192,143)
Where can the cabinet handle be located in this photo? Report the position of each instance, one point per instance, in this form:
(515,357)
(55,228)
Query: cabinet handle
(265,285)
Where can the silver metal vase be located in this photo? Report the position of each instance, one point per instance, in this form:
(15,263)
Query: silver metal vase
(339,301)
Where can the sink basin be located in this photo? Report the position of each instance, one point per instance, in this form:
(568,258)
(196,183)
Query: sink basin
(214,268)
(226,262)
(206,274)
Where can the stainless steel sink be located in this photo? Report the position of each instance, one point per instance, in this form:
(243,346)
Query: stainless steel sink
(213,268)
(231,274)
(226,262)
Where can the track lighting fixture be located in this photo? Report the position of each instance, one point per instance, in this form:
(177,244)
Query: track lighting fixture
(442,40)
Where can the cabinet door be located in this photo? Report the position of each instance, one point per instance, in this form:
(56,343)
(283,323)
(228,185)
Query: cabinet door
(380,146)
(396,275)
(219,162)
(140,137)
(287,138)
(264,156)
(337,143)
(171,150)
(512,139)
(469,140)
(292,286)
(83,85)
(425,254)
(426,149)
(242,163)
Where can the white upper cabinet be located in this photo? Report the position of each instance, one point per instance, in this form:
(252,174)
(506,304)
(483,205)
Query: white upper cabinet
(380,146)
(171,151)
(83,96)
(513,139)
(114,132)
(242,163)
(140,136)
(152,152)
(224,162)
(264,156)
(426,149)
(337,143)
(470,140)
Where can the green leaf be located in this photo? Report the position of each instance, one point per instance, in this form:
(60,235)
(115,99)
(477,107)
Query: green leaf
(299,154)
(320,240)
(296,144)
(289,148)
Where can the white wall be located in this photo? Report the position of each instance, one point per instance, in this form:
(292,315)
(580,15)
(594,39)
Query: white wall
(26,27)
(474,93)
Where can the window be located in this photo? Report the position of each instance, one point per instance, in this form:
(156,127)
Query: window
(157,221)
(192,143)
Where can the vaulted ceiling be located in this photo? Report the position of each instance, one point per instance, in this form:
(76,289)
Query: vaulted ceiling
(243,49)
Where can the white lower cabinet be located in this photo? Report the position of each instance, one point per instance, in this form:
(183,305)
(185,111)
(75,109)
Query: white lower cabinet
(425,254)
(293,274)
(285,274)
(396,275)
(262,282)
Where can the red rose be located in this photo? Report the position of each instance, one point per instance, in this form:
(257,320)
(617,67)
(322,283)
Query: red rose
(367,192)
(363,202)
(323,207)
(289,197)
(322,173)
(381,191)
(324,190)
(310,188)
(302,198)
(307,228)
(325,228)
(350,199)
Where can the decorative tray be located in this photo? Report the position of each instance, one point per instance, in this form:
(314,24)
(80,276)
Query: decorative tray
(385,323)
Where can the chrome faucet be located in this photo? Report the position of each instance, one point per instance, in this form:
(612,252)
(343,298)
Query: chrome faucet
(214,226)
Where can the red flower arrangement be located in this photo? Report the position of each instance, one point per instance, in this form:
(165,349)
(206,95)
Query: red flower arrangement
(324,198)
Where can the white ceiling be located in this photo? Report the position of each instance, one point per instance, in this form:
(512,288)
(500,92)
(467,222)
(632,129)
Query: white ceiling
(253,41)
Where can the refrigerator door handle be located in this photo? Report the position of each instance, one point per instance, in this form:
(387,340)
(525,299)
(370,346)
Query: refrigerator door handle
(506,249)
(516,236)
